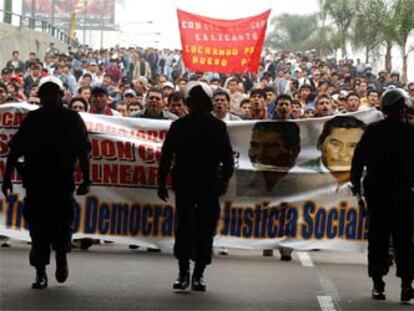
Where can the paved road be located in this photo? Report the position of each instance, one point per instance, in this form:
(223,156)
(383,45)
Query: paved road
(111,277)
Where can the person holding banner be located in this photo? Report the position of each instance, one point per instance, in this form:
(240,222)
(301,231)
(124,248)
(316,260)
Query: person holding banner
(51,139)
(203,164)
(387,153)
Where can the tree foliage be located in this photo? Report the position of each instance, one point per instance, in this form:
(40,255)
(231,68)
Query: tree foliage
(292,32)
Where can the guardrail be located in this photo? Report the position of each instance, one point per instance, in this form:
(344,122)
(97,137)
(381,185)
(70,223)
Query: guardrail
(38,25)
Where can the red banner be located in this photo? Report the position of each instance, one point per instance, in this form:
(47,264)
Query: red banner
(224,46)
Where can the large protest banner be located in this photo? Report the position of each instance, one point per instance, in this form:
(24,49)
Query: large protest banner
(290,187)
(225,46)
(92,14)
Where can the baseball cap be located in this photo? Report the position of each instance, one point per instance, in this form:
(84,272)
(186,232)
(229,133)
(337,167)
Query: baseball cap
(168,84)
(190,85)
(51,79)
(99,89)
(5,71)
(92,63)
(130,92)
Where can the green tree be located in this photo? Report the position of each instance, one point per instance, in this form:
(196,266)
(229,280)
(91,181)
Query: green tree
(292,32)
(342,13)
(368,26)
(403,25)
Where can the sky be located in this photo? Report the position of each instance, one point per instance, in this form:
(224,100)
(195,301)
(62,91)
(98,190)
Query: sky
(133,17)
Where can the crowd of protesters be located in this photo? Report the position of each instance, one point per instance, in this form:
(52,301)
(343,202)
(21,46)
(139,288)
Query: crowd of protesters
(150,83)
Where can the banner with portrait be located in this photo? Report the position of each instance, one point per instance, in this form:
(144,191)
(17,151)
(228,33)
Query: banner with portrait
(225,46)
(290,186)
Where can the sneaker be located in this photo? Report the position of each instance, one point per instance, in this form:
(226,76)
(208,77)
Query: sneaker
(153,250)
(6,244)
(407,293)
(62,270)
(198,284)
(223,251)
(41,280)
(377,294)
(131,246)
(268,252)
(285,254)
(85,244)
(182,282)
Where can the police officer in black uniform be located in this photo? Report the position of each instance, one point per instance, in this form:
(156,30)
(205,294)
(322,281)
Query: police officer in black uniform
(51,139)
(386,151)
(198,144)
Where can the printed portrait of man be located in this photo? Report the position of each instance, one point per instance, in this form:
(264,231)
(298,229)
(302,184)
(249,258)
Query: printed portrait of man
(274,148)
(337,143)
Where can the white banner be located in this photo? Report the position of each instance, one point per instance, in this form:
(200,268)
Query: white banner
(290,187)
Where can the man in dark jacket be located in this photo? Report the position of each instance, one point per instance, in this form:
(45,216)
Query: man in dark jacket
(51,139)
(203,164)
(386,150)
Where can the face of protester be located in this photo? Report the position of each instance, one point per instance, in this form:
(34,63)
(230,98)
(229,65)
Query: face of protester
(220,105)
(107,81)
(296,111)
(373,99)
(86,94)
(232,86)
(78,106)
(284,108)
(122,109)
(154,103)
(363,87)
(3,95)
(99,101)
(309,113)
(166,91)
(410,118)
(411,90)
(245,109)
(323,107)
(85,81)
(128,98)
(257,102)
(267,150)
(181,86)
(338,148)
(133,108)
(270,97)
(353,103)
(304,93)
(178,107)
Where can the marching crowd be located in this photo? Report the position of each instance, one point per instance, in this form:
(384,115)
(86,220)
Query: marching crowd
(150,83)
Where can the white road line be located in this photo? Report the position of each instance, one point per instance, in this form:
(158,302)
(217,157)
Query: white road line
(326,303)
(305,259)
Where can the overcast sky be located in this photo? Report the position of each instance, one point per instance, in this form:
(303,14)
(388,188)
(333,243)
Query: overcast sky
(133,15)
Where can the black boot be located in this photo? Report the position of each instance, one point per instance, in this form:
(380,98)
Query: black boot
(62,270)
(41,278)
(183,280)
(197,282)
(379,288)
(407,291)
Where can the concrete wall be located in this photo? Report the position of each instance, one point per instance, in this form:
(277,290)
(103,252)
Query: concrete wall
(25,41)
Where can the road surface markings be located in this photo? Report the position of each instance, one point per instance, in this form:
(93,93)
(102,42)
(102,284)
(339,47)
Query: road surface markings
(327,303)
(305,259)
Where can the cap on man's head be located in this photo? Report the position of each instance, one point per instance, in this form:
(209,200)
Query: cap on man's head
(168,84)
(5,71)
(92,63)
(143,80)
(130,92)
(51,79)
(99,89)
(205,87)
